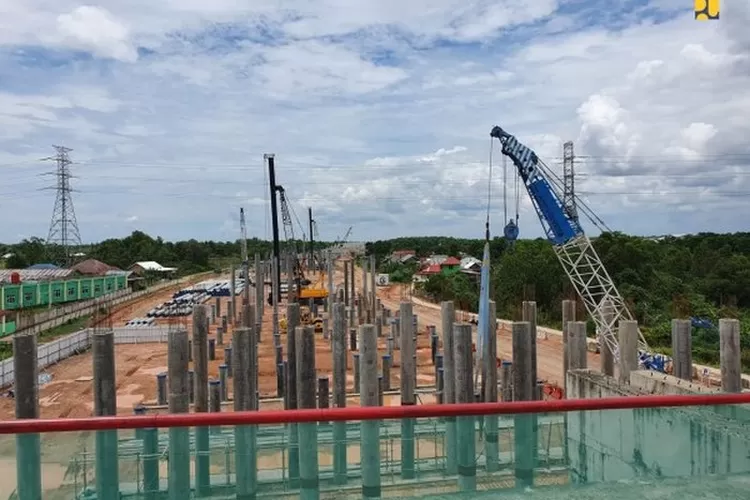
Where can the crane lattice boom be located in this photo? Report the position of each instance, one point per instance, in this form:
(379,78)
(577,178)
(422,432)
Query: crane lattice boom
(574,250)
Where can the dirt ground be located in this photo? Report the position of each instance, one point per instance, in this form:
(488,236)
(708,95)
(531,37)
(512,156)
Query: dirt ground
(69,394)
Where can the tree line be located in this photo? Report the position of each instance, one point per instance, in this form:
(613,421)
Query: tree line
(189,257)
(703,275)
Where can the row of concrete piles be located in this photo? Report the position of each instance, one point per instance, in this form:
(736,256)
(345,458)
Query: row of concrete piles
(301,388)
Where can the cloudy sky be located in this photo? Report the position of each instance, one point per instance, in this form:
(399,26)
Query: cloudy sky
(378,112)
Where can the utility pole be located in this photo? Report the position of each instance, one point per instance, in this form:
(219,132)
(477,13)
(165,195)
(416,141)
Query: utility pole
(274,217)
(63,235)
(311,266)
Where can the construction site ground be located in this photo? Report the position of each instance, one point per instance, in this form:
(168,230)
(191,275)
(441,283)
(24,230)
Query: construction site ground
(69,393)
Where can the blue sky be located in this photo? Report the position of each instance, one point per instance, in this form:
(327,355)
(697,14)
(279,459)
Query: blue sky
(378,112)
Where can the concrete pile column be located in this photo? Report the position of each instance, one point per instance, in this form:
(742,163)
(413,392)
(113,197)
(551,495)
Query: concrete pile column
(364,307)
(607,355)
(490,393)
(408,386)
(464,390)
(223,382)
(179,402)
(568,315)
(105,405)
(628,341)
(370,429)
(218,307)
(506,379)
(161,389)
(682,349)
(259,291)
(396,331)
(355,369)
(200,365)
(308,432)
(523,390)
(339,392)
(245,399)
(729,352)
(387,372)
(331,290)
(324,394)
(373,290)
(352,295)
(347,302)
(529,315)
(447,318)
(232,302)
(292,322)
(577,346)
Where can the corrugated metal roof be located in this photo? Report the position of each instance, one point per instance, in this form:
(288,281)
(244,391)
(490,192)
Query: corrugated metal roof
(36,274)
(93,267)
(151,265)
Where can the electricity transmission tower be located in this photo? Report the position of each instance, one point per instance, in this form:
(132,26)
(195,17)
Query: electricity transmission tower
(64,237)
(569,174)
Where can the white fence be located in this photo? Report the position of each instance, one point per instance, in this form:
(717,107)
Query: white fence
(50,353)
(78,342)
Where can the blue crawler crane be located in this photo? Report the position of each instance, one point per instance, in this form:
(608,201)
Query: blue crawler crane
(577,255)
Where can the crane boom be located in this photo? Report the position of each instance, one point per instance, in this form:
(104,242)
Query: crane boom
(574,250)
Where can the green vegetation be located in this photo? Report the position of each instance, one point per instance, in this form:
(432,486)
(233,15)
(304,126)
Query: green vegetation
(189,257)
(703,275)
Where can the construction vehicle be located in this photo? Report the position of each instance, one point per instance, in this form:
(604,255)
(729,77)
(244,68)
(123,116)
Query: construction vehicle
(305,317)
(316,291)
(573,248)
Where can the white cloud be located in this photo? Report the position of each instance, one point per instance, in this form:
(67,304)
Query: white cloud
(379,112)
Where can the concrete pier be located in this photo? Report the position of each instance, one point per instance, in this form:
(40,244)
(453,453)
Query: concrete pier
(447,318)
(370,429)
(577,351)
(492,449)
(223,383)
(353,339)
(191,386)
(373,290)
(232,293)
(292,322)
(308,432)
(347,302)
(245,399)
(523,390)
(408,386)
(529,313)
(339,392)
(730,355)
(324,395)
(214,406)
(464,391)
(212,349)
(179,402)
(355,369)
(506,381)
(607,356)
(161,389)
(628,341)
(568,315)
(352,295)
(105,405)
(259,290)
(201,355)
(387,364)
(219,336)
(682,348)
(228,361)
(364,309)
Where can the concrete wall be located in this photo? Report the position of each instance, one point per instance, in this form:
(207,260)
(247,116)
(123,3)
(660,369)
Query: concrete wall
(617,445)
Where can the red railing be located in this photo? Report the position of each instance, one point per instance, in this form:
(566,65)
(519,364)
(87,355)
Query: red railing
(363,413)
